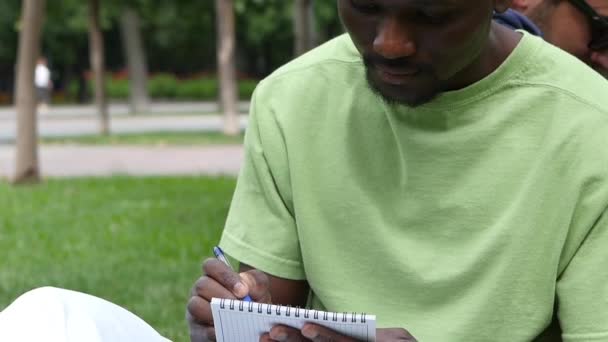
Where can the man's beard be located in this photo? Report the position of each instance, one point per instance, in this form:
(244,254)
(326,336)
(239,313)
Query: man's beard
(425,93)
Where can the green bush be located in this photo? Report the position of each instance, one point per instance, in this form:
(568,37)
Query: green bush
(246,88)
(163,86)
(210,88)
(167,86)
(197,89)
(118,88)
(71,90)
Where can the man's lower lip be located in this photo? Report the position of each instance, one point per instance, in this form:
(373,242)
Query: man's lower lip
(396,79)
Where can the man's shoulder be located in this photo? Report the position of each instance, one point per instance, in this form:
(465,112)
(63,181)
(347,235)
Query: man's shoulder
(337,50)
(568,77)
(332,60)
(311,84)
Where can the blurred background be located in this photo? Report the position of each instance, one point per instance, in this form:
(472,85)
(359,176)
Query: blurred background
(178,42)
(121,127)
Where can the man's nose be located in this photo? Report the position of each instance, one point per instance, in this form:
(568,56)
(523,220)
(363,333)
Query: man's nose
(394,40)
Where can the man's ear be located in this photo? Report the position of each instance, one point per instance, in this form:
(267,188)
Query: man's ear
(501,6)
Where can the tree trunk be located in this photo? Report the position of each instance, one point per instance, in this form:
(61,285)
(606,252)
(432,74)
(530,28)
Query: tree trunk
(226,64)
(96,54)
(303,26)
(312,26)
(136,60)
(27,169)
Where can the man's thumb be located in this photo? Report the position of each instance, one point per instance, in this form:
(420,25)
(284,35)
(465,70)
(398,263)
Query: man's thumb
(257,283)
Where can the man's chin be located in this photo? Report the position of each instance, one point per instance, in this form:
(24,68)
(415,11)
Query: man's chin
(395,95)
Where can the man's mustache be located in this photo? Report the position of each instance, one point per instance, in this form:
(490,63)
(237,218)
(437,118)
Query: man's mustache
(397,63)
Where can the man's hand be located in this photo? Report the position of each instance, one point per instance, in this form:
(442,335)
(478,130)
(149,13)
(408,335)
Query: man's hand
(221,282)
(317,333)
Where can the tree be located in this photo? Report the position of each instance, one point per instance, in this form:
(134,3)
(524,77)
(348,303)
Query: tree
(226,64)
(96,54)
(136,59)
(10,12)
(172,32)
(27,169)
(304,26)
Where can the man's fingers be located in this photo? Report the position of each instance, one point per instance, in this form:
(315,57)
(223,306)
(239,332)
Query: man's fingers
(219,281)
(229,279)
(201,333)
(318,333)
(394,334)
(208,288)
(258,283)
(266,338)
(282,333)
(199,311)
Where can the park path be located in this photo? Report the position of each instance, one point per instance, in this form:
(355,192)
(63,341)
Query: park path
(78,160)
(118,109)
(64,121)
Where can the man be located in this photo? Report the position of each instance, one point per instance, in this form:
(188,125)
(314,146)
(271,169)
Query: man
(577,26)
(43,84)
(432,167)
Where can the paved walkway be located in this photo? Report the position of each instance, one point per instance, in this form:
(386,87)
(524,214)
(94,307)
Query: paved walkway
(73,161)
(80,120)
(118,109)
(62,127)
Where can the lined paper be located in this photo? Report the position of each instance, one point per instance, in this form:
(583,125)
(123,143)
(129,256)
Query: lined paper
(238,321)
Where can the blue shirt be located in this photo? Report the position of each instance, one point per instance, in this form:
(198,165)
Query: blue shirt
(517,21)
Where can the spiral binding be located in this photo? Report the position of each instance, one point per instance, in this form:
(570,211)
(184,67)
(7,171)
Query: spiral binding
(268,309)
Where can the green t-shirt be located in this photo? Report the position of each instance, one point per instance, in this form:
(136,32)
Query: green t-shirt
(470,218)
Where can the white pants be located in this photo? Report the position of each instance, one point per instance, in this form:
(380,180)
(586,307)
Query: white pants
(56,315)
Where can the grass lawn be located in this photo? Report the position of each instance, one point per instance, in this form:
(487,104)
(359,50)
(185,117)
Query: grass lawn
(137,242)
(153,138)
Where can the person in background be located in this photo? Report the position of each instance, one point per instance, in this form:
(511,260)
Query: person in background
(43,84)
(579,27)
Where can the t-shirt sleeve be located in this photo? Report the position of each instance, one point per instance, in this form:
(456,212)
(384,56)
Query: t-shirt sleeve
(260,229)
(582,289)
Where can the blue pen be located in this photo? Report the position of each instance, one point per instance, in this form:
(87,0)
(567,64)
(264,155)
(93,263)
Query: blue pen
(219,254)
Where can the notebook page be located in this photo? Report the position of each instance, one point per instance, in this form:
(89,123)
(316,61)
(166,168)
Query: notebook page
(238,321)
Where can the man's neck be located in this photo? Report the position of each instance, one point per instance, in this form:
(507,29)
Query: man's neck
(501,43)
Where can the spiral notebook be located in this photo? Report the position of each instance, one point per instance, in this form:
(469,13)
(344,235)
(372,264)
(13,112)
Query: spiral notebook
(238,321)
